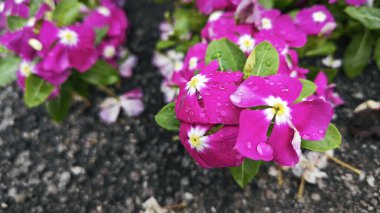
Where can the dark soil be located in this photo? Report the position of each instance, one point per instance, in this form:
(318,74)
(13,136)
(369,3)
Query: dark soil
(83,165)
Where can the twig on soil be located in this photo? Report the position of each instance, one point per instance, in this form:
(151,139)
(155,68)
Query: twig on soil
(301,188)
(280,180)
(80,98)
(346,165)
(108,91)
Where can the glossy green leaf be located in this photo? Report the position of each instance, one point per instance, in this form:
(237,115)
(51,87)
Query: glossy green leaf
(37,90)
(368,16)
(358,54)
(8,70)
(66,12)
(263,61)
(308,88)
(188,20)
(268,4)
(15,22)
(229,56)
(322,49)
(59,107)
(244,173)
(101,74)
(161,45)
(331,141)
(377,53)
(167,118)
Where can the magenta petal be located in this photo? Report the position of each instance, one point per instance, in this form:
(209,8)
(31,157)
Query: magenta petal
(57,59)
(311,118)
(286,145)
(285,87)
(110,110)
(321,81)
(82,58)
(18,42)
(252,133)
(48,35)
(251,92)
(219,147)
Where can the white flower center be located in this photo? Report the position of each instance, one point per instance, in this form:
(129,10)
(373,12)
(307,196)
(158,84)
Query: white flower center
(266,23)
(31,22)
(19,1)
(196,83)
(279,109)
(246,43)
(109,51)
(193,62)
(197,140)
(178,65)
(104,11)
(319,16)
(35,44)
(215,16)
(68,37)
(26,68)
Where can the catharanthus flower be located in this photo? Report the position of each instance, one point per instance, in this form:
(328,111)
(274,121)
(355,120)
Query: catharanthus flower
(130,102)
(169,89)
(168,63)
(316,20)
(204,99)
(67,47)
(17,8)
(212,150)
(126,67)
(272,98)
(209,6)
(329,61)
(110,16)
(326,91)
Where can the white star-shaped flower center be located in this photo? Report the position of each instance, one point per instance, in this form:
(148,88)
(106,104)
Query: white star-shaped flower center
(279,108)
(246,43)
(104,11)
(266,23)
(68,37)
(197,140)
(197,83)
(109,51)
(319,16)
(19,1)
(26,68)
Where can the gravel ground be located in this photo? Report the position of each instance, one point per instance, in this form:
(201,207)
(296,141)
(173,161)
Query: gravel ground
(83,165)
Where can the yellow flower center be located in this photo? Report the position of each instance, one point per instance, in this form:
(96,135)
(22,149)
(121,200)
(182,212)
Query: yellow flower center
(195,140)
(279,109)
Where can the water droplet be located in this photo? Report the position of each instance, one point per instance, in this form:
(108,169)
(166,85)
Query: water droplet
(223,113)
(321,131)
(306,136)
(218,104)
(202,115)
(219,119)
(271,83)
(235,98)
(285,89)
(264,149)
(254,88)
(249,145)
(250,83)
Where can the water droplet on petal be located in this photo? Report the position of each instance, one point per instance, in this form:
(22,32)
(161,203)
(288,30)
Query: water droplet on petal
(249,145)
(306,136)
(235,98)
(264,149)
(202,115)
(321,131)
(223,113)
(218,104)
(254,88)
(271,83)
(285,89)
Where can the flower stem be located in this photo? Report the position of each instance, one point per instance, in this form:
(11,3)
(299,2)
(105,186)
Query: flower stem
(301,188)
(108,91)
(280,180)
(346,165)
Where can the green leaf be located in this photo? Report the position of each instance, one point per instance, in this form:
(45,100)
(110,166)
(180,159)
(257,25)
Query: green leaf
(167,118)
(8,70)
(308,88)
(100,34)
(368,16)
(66,12)
(188,20)
(377,53)
(161,45)
(59,107)
(244,173)
(263,61)
(322,49)
(358,54)
(268,4)
(15,22)
(35,6)
(101,74)
(37,90)
(229,56)
(331,141)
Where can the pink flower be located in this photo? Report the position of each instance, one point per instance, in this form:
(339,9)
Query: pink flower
(108,51)
(292,121)
(222,25)
(326,91)
(211,151)
(316,20)
(18,42)
(68,47)
(209,6)
(169,89)
(194,60)
(204,99)
(17,8)
(289,65)
(109,15)
(130,102)
(126,67)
